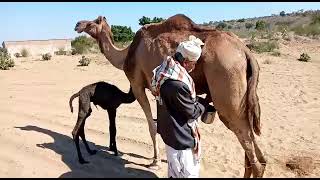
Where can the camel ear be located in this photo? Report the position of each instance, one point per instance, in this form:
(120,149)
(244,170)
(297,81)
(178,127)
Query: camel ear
(104,18)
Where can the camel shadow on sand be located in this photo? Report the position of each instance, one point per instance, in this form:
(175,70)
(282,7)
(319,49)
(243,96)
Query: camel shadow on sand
(102,164)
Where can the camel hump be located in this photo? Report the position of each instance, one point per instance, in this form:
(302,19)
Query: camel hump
(178,22)
(175,23)
(182,22)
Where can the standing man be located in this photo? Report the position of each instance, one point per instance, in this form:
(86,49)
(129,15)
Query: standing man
(178,109)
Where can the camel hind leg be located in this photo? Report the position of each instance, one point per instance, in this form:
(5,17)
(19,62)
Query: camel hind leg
(254,160)
(83,114)
(229,97)
(140,94)
(248,167)
(260,157)
(83,137)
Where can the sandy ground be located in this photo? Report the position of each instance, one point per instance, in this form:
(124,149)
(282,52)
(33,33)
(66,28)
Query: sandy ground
(36,122)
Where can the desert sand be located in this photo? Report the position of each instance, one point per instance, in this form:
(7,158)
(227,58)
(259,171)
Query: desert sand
(36,121)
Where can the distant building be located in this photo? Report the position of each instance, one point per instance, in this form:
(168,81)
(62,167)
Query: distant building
(37,47)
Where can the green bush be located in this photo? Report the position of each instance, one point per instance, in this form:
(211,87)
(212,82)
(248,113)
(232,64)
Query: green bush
(261,25)
(82,44)
(5,60)
(304,57)
(46,57)
(261,47)
(84,61)
(221,25)
(24,52)
(61,51)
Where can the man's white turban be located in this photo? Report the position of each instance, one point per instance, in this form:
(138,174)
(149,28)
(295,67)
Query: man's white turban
(191,49)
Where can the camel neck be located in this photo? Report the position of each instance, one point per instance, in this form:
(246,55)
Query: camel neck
(128,98)
(115,55)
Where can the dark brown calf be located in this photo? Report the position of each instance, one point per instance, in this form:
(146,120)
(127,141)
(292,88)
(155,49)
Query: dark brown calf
(108,97)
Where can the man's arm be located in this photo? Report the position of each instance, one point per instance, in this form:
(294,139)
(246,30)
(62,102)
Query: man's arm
(177,96)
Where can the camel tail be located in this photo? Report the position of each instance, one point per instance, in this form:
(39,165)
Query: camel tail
(253,99)
(71,99)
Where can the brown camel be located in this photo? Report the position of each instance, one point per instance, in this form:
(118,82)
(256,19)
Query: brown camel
(226,70)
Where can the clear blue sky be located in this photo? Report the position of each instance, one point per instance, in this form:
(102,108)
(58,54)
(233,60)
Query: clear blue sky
(49,20)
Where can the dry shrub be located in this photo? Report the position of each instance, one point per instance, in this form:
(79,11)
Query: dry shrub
(302,166)
(46,57)
(304,57)
(24,52)
(84,61)
(267,61)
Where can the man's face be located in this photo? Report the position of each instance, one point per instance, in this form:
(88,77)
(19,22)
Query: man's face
(189,65)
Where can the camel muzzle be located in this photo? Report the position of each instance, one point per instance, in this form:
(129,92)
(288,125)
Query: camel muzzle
(76,28)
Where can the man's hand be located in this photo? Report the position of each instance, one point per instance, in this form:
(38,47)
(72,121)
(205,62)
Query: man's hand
(209,114)
(204,101)
(154,93)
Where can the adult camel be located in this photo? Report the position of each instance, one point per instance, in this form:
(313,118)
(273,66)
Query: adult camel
(226,70)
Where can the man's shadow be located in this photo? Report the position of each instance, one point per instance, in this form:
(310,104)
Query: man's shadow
(102,164)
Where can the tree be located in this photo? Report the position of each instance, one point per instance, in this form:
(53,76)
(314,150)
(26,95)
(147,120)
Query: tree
(122,33)
(157,20)
(146,20)
(241,20)
(82,44)
(282,13)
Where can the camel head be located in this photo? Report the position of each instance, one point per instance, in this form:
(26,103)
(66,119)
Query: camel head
(95,28)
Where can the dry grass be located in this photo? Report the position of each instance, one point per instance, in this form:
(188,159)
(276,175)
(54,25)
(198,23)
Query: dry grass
(301,165)
(276,53)
(267,61)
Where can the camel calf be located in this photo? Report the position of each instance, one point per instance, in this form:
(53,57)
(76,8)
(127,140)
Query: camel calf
(108,97)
